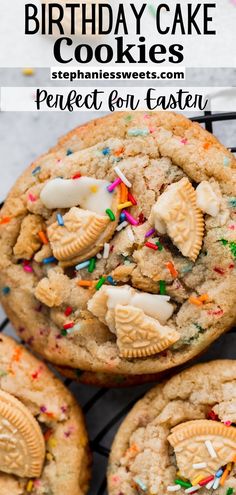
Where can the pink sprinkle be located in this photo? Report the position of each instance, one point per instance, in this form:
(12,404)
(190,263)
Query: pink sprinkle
(31,197)
(227,423)
(114,184)
(37,483)
(130,219)
(28,268)
(184,141)
(149,233)
(151,130)
(232,226)
(146,116)
(217,312)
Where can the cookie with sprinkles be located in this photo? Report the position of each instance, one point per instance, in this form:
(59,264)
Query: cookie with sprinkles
(180,437)
(40,423)
(130,222)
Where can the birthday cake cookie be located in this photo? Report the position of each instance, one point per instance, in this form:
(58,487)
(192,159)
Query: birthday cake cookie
(181,437)
(43,441)
(118,246)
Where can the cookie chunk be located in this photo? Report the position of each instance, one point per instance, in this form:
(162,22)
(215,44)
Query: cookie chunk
(137,205)
(41,426)
(181,437)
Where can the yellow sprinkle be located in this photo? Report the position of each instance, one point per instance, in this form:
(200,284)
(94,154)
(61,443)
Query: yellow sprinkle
(94,189)
(195,300)
(197,479)
(49,456)
(52,442)
(29,486)
(27,71)
(229,466)
(124,205)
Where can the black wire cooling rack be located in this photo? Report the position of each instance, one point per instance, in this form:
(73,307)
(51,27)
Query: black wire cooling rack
(105,409)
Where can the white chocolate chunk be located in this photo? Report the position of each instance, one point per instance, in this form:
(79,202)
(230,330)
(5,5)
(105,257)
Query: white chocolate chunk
(207,200)
(106,300)
(88,193)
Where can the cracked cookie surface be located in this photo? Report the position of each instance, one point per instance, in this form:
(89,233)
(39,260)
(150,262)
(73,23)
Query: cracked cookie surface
(202,292)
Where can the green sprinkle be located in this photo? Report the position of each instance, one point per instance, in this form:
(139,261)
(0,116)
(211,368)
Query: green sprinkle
(64,333)
(201,329)
(110,214)
(138,132)
(100,283)
(185,484)
(6,290)
(224,242)
(230,491)
(128,118)
(160,246)
(232,202)
(92,264)
(232,246)
(226,161)
(152,10)
(162,286)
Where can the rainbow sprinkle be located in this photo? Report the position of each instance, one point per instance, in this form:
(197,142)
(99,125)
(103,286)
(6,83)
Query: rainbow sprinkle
(122,177)
(129,218)
(149,233)
(60,220)
(138,132)
(132,199)
(110,214)
(69,152)
(36,170)
(51,259)
(162,286)
(82,265)
(106,151)
(110,280)
(151,245)
(101,281)
(6,290)
(43,237)
(114,185)
(124,205)
(92,265)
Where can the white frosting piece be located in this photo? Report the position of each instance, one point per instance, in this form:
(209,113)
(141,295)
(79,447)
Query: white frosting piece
(153,305)
(207,200)
(88,193)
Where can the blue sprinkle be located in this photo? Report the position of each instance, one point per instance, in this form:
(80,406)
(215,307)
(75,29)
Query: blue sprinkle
(219,473)
(111,280)
(80,266)
(60,220)
(122,217)
(106,151)
(226,161)
(232,202)
(141,484)
(69,152)
(187,268)
(36,171)
(138,132)
(51,259)
(6,290)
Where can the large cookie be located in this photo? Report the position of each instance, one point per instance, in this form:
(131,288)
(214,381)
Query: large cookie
(180,437)
(139,204)
(43,441)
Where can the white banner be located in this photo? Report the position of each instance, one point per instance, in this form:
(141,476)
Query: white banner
(190,24)
(74,99)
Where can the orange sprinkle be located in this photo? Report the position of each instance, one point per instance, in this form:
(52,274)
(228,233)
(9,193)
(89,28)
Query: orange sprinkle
(195,300)
(223,477)
(234,458)
(48,434)
(132,450)
(123,193)
(172,269)
(119,151)
(43,237)
(204,298)
(17,354)
(85,283)
(206,145)
(4,220)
